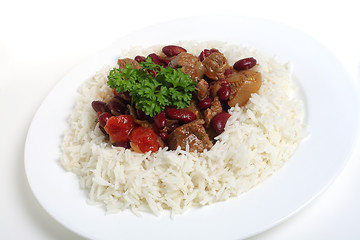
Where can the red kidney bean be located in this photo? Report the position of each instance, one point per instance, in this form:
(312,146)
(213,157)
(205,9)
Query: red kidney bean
(219,122)
(100,106)
(155,58)
(224,91)
(160,120)
(140,59)
(205,103)
(245,63)
(163,135)
(103,118)
(159,60)
(122,144)
(205,53)
(172,50)
(116,106)
(182,115)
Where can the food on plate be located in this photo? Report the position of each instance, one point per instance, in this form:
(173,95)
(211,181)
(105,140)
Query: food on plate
(180,126)
(176,98)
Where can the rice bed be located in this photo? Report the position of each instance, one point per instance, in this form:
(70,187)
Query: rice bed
(258,139)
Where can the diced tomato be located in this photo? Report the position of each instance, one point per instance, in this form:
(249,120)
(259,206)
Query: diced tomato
(119,128)
(145,138)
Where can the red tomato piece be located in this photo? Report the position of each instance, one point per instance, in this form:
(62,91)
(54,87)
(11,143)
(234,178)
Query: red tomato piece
(119,128)
(145,138)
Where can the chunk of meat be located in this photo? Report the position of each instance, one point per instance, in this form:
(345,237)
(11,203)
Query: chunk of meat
(215,65)
(123,62)
(212,111)
(189,64)
(243,84)
(193,134)
(202,88)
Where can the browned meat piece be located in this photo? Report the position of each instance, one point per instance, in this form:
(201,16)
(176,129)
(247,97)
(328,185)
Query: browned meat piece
(212,111)
(243,84)
(215,65)
(123,62)
(202,88)
(189,64)
(193,134)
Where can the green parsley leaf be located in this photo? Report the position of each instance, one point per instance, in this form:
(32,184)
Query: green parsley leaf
(153,87)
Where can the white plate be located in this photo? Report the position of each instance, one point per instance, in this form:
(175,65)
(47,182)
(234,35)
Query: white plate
(332,115)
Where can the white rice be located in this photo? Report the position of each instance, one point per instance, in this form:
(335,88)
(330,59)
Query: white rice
(258,139)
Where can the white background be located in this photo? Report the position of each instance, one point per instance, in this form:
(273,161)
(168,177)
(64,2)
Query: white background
(40,41)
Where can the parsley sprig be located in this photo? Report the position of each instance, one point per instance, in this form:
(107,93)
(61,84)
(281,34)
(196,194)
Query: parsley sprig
(153,87)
